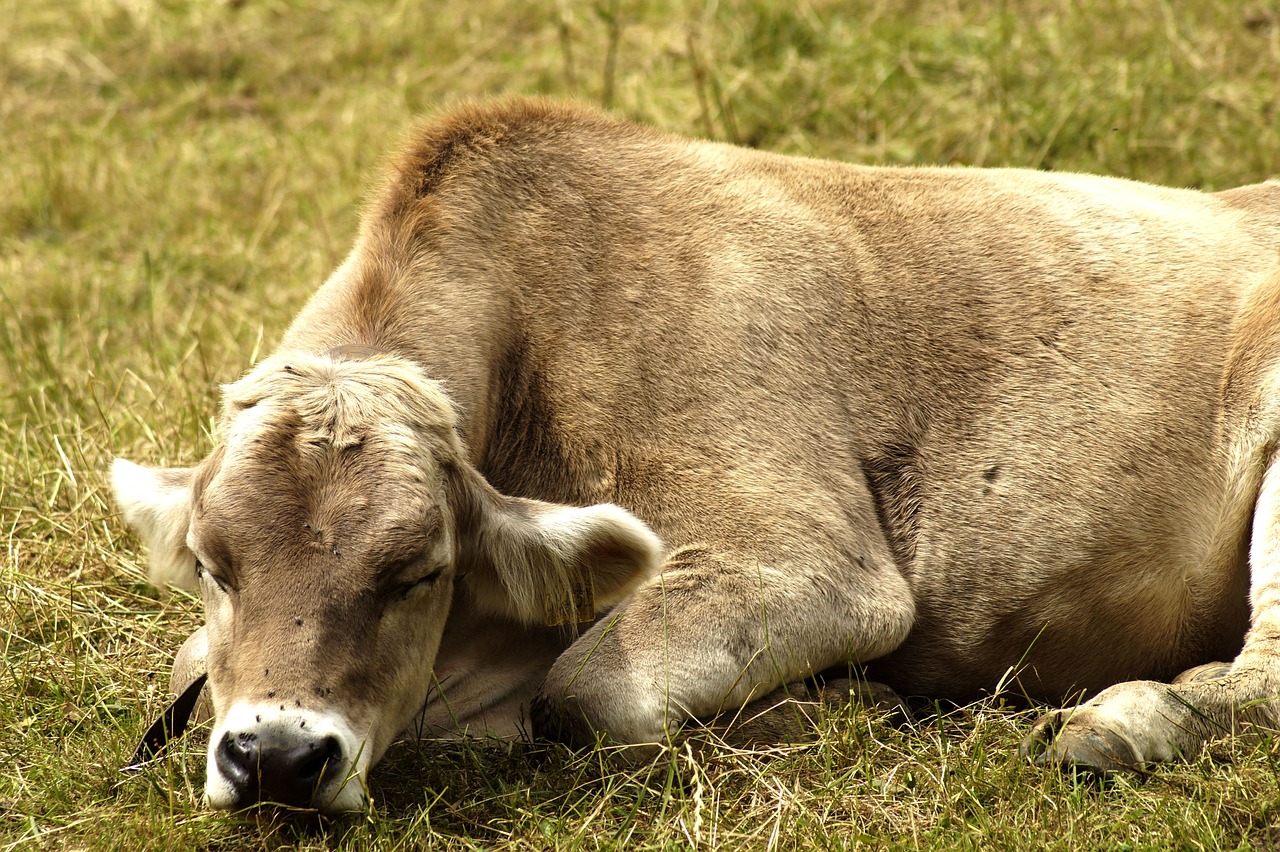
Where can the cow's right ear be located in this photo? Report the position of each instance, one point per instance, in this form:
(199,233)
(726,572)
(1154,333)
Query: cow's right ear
(156,504)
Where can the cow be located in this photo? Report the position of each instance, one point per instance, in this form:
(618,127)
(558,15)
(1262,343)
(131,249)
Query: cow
(603,430)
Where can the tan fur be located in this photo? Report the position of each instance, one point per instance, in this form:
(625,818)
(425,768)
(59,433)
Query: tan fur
(972,427)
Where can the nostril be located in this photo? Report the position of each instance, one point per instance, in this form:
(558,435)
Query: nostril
(237,758)
(320,754)
(292,770)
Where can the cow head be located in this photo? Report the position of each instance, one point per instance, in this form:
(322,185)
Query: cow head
(326,534)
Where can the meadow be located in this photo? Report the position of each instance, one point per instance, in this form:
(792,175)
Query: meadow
(176,176)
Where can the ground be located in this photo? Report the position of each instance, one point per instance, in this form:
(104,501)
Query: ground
(176,176)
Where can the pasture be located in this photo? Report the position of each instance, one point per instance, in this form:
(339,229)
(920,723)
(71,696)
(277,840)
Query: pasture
(177,176)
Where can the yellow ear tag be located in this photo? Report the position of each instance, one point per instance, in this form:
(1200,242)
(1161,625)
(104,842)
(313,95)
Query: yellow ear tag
(581,604)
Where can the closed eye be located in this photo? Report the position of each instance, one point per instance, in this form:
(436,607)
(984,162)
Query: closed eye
(203,572)
(427,580)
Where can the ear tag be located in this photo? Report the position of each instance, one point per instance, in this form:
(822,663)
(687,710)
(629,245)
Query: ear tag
(170,726)
(581,604)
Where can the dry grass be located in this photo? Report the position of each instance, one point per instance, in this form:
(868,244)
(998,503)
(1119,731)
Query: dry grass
(177,176)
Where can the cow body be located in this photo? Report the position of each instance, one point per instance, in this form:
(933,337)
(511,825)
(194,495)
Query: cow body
(970,427)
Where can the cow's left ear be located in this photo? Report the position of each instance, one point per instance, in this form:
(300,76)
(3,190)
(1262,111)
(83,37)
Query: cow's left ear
(546,562)
(156,504)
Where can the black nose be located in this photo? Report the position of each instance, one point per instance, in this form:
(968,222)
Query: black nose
(266,768)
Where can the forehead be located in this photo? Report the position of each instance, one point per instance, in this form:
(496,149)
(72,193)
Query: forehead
(310,443)
(340,404)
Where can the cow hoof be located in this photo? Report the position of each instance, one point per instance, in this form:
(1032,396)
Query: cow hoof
(626,757)
(1206,672)
(788,715)
(793,714)
(1076,747)
(556,722)
(871,695)
(561,722)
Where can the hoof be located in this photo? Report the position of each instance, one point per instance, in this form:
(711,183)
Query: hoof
(555,722)
(793,714)
(564,723)
(1206,672)
(788,715)
(871,695)
(1076,746)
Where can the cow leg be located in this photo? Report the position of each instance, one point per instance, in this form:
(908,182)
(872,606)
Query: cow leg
(714,631)
(1132,725)
(793,713)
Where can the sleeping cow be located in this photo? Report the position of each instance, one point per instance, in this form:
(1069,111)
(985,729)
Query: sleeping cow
(754,416)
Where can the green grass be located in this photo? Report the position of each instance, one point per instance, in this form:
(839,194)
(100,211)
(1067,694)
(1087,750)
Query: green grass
(177,176)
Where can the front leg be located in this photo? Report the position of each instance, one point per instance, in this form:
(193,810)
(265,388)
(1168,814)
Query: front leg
(715,630)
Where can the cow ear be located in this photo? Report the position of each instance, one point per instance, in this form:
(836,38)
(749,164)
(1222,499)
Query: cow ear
(156,504)
(546,562)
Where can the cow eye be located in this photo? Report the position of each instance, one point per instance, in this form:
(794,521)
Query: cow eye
(201,571)
(425,581)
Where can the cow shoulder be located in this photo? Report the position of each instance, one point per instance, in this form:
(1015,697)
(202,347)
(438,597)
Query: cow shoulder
(473,138)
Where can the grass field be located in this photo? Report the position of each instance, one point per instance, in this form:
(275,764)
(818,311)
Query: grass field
(177,175)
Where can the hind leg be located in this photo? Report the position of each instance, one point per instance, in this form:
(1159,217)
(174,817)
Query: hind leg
(1132,725)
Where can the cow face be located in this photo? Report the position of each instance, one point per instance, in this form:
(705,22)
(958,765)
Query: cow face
(326,534)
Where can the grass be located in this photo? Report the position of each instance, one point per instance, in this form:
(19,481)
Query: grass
(177,176)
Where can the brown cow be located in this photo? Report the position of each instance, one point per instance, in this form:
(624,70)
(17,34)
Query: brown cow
(769,414)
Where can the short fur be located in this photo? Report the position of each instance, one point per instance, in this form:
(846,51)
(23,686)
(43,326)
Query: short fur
(970,427)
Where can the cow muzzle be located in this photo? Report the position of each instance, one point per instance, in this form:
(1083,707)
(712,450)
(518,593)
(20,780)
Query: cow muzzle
(259,754)
(274,769)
